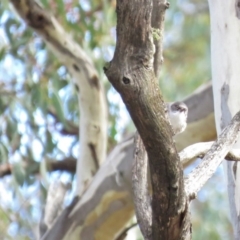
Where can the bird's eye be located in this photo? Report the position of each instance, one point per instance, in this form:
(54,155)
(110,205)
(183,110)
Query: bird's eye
(182,109)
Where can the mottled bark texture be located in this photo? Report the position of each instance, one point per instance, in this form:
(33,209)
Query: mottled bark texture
(105,207)
(131,72)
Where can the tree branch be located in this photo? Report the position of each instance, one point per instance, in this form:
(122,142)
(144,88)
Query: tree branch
(158,15)
(69,129)
(108,197)
(93,120)
(141,195)
(198,150)
(66,164)
(198,177)
(54,203)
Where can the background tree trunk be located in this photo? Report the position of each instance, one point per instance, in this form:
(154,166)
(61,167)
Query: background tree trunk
(225,52)
(131,72)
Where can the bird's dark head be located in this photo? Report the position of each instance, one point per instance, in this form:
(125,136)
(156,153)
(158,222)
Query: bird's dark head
(179,107)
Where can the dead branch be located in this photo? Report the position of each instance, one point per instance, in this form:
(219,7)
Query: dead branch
(198,150)
(198,177)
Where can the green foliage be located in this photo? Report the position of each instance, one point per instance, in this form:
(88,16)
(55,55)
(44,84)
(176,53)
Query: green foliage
(4,223)
(187,49)
(156,34)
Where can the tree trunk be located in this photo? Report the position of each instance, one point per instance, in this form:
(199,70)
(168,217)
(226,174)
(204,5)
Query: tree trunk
(225,52)
(132,74)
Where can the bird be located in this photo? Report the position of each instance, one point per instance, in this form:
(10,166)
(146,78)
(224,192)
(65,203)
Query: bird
(177,114)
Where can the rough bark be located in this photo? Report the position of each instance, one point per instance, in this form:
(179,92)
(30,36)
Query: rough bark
(141,196)
(93,121)
(132,74)
(225,48)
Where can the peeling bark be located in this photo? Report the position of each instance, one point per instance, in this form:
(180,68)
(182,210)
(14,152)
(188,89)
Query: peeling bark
(105,207)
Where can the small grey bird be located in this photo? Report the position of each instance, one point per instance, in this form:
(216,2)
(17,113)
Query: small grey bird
(177,113)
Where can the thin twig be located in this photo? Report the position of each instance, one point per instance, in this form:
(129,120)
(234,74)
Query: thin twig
(123,234)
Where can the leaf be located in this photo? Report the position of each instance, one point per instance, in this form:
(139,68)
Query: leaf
(19,173)
(2,53)
(57,104)
(61,8)
(11,128)
(35,95)
(7,26)
(3,153)
(39,96)
(15,143)
(59,83)
(50,145)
